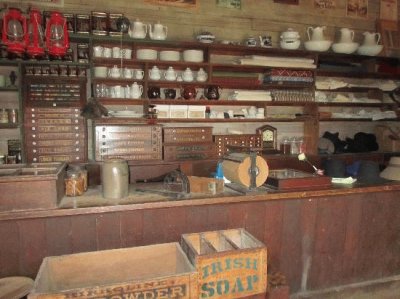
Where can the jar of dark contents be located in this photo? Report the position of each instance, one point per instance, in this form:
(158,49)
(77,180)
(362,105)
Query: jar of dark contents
(74,185)
(285,146)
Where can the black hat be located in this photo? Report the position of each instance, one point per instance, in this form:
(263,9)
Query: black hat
(369,173)
(335,168)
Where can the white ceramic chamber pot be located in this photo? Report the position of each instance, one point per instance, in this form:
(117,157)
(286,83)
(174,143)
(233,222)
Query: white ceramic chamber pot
(116,52)
(114,72)
(170,74)
(98,51)
(158,31)
(100,71)
(107,52)
(154,73)
(138,29)
(128,73)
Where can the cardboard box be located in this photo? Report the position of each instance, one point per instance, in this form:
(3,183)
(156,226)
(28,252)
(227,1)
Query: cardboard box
(230,263)
(154,271)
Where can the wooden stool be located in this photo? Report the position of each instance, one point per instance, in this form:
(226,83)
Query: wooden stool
(15,287)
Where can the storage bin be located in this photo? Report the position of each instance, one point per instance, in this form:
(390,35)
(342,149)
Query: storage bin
(154,271)
(230,263)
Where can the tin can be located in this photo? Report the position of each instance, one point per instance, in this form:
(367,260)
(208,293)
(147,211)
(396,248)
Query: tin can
(99,23)
(82,24)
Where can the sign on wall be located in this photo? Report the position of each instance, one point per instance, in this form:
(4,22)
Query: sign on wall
(230,3)
(54,3)
(328,4)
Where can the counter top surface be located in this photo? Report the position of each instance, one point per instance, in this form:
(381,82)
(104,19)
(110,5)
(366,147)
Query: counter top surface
(92,201)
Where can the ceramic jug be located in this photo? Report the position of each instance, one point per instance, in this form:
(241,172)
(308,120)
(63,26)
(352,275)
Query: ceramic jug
(155,73)
(158,31)
(136,90)
(153,92)
(138,29)
(114,72)
(170,74)
(170,93)
(212,92)
(346,35)
(371,39)
(316,33)
(115,178)
(189,93)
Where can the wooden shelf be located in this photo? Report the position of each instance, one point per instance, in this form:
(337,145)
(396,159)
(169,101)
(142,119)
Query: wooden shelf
(9,126)
(357,119)
(225,102)
(372,75)
(120,101)
(9,89)
(338,104)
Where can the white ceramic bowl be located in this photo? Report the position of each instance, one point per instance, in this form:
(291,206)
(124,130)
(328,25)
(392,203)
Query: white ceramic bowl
(289,44)
(149,54)
(372,50)
(318,45)
(170,56)
(193,55)
(345,48)
(100,71)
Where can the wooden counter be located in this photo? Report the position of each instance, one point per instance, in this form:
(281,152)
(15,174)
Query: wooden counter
(317,238)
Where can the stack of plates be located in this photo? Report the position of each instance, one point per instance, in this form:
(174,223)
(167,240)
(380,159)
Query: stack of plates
(125,113)
(170,56)
(193,55)
(147,54)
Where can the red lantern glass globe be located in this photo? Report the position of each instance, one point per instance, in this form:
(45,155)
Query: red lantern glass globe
(35,39)
(57,38)
(14,31)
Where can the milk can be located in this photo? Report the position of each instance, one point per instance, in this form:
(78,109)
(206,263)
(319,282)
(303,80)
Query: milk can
(115,178)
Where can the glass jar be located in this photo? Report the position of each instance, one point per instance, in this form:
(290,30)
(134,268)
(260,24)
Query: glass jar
(74,184)
(82,172)
(294,146)
(3,116)
(285,146)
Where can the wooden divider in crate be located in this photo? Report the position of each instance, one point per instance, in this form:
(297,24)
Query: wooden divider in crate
(230,263)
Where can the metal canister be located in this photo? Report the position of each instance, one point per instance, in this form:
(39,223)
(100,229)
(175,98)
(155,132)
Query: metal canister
(99,23)
(115,178)
(70,19)
(82,23)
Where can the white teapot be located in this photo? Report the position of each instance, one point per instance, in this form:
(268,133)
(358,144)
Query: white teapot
(114,72)
(371,39)
(170,74)
(155,73)
(136,90)
(317,33)
(158,32)
(138,29)
(346,35)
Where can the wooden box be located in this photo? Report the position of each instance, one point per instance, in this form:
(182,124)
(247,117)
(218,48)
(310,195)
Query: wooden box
(191,151)
(154,271)
(287,179)
(31,186)
(230,263)
(223,142)
(205,185)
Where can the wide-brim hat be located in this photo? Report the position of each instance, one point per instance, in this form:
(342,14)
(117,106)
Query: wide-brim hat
(392,171)
(369,173)
(325,146)
(335,168)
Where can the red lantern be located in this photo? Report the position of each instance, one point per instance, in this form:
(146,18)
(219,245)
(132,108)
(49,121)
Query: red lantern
(34,39)
(14,30)
(57,38)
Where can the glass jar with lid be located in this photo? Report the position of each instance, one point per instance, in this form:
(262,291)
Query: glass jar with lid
(74,185)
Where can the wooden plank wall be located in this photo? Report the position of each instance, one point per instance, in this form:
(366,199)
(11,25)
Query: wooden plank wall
(316,243)
(253,19)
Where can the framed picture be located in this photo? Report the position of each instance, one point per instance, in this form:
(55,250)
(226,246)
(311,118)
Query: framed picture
(53,3)
(325,4)
(388,10)
(293,2)
(357,8)
(181,3)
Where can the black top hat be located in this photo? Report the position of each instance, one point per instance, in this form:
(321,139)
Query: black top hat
(369,173)
(335,168)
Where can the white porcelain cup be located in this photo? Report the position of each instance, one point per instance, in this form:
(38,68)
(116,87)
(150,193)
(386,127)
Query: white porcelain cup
(114,72)
(107,52)
(139,74)
(126,53)
(116,52)
(128,73)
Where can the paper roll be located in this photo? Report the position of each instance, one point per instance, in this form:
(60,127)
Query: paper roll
(237,168)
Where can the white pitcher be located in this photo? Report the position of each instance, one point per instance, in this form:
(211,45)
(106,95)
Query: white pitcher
(317,33)
(371,39)
(346,35)
(158,31)
(138,29)
(136,91)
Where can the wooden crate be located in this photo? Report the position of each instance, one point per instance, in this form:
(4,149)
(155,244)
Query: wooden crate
(31,186)
(230,263)
(154,271)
